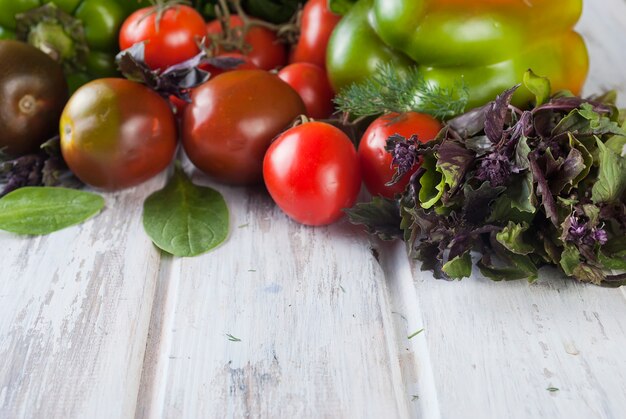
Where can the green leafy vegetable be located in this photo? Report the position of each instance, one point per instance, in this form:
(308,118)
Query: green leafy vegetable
(539,86)
(184,219)
(43,210)
(520,189)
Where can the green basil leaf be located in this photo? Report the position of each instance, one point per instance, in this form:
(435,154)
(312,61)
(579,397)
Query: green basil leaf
(512,237)
(460,267)
(184,219)
(611,182)
(380,217)
(518,267)
(538,86)
(44,210)
(591,274)
(617,263)
(586,122)
(570,259)
(432,182)
(617,143)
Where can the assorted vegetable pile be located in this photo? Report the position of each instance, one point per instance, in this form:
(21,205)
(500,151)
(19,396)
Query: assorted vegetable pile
(314,99)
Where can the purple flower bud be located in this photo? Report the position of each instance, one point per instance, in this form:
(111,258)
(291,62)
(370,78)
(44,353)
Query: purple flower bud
(494,168)
(23,171)
(600,236)
(403,153)
(581,233)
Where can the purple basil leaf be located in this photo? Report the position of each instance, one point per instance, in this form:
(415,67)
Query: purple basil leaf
(176,80)
(568,104)
(132,65)
(476,207)
(454,161)
(573,165)
(380,217)
(223,63)
(543,189)
(471,123)
(497,113)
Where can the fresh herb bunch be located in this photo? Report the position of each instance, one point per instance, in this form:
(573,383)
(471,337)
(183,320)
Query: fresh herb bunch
(520,189)
(389,90)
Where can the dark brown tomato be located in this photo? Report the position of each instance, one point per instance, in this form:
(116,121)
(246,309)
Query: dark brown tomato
(232,120)
(116,133)
(33,92)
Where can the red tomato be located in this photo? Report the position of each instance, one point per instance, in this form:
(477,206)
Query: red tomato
(266,52)
(232,120)
(376,162)
(172,41)
(116,133)
(311,83)
(312,173)
(318,23)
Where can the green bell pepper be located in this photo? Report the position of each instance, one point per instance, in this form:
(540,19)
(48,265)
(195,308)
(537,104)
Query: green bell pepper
(485,45)
(82,34)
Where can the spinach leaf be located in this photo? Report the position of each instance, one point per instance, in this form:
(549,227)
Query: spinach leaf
(185,219)
(44,210)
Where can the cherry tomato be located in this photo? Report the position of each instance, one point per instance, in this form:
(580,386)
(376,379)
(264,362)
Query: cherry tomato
(311,82)
(171,41)
(318,23)
(265,51)
(376,163)
(312,173)
(232,120)
(116,133)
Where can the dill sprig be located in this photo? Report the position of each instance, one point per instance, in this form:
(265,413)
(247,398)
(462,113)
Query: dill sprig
(390,90)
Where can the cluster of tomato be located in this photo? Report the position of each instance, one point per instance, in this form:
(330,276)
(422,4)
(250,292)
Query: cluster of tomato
(117,133)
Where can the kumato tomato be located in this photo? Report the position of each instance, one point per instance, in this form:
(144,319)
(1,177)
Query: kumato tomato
(170,41)
(116,133)
(376,163)
(311,83)
(312,173)
(232,120)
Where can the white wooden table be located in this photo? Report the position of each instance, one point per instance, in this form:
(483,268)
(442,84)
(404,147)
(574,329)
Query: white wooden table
(96,323)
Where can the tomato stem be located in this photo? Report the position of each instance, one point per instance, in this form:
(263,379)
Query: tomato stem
(56,33)
(233,38)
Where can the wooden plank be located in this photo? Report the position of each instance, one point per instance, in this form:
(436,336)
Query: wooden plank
(74,314)
(310,307)
(495,349)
